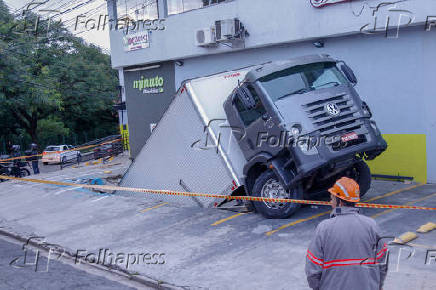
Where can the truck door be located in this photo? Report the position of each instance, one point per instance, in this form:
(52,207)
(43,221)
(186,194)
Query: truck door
(257,124)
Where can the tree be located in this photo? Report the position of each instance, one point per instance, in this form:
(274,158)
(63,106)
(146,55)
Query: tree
(49,74)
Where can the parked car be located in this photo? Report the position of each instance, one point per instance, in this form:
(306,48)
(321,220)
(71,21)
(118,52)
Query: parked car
(60,154)
(105,150)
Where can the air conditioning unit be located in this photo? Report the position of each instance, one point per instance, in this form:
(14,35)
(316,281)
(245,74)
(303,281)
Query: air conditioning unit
(228,30)
(205,37)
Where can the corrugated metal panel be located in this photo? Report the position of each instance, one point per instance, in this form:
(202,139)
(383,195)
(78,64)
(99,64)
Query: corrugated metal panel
(175,158)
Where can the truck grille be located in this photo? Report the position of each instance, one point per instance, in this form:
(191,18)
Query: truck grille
(328,125)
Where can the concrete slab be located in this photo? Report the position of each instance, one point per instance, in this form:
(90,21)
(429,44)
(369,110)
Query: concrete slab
(235,254)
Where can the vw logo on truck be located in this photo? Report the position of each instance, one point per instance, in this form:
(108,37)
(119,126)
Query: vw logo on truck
(332,109)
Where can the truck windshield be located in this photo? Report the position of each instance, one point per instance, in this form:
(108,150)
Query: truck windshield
(302,79)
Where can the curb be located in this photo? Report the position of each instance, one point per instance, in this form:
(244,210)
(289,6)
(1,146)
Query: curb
(114,269)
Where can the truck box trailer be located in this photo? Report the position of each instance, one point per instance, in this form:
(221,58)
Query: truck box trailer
(281,129)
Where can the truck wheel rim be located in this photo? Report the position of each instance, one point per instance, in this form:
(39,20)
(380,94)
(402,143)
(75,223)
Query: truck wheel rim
(273,189)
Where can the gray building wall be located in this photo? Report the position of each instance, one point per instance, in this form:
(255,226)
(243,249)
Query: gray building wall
(269,23)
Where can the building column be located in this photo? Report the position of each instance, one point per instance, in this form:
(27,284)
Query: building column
(112,9)
(162,8)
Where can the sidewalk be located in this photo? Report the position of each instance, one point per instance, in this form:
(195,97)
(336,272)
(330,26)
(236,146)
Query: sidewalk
(199,248)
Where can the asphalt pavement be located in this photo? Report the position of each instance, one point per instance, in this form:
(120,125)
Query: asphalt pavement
(205,247)
(14,274)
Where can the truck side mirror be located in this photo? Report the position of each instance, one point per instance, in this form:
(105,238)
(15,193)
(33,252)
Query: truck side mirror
(246,98)
(348,72)
(265,117)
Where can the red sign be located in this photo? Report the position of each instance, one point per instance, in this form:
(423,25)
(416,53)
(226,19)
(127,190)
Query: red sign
(322,3)
(349,137)
(233,75)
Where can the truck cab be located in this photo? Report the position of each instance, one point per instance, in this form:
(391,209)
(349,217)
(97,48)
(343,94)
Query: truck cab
(304,125)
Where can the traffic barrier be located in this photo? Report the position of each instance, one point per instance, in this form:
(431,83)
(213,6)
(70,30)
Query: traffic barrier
(428,227)
(75,149)
(206,195)
(405,238)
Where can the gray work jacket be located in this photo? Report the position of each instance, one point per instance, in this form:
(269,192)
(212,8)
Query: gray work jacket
(346,253)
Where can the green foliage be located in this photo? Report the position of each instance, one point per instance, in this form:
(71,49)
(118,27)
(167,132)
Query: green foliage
(49,131)
(52,80)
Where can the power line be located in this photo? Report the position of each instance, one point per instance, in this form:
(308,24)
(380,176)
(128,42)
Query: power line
(70,22)
(27,5)
(90,13)
(69,5)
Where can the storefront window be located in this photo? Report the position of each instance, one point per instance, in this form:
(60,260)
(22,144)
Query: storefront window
(137,9)
(179,6)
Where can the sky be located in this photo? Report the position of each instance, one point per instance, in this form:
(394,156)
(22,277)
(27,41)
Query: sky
(92,9)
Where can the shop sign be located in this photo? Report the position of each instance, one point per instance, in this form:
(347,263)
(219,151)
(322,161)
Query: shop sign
(322,3)
(136,41)
(153,85)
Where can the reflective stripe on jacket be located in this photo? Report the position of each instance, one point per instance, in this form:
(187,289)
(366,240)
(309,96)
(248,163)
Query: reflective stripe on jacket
(346,253)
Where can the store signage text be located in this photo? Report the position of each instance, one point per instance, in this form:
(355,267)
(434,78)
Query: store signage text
(153,85)
(136,41)
(322,3)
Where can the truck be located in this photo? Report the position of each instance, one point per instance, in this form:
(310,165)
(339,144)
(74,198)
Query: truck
(284,129)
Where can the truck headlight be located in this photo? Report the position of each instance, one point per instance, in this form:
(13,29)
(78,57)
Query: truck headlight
(374,126)
(366,110)
(295,130)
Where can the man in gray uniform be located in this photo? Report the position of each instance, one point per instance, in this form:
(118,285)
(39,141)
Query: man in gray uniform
(346,251)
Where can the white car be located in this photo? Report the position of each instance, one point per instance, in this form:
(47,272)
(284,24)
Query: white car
(59,154)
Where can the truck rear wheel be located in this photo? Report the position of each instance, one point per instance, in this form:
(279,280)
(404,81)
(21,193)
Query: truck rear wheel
(362,175)
(268,186)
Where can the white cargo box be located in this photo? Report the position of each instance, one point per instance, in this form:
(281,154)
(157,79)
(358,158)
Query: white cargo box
(192,148)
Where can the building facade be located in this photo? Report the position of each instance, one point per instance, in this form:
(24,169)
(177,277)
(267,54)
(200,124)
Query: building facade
(157,44)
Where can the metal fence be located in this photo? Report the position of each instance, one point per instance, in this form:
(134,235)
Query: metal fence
(82,139)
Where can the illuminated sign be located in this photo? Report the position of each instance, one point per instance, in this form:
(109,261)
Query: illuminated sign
(322,3)
(153,85)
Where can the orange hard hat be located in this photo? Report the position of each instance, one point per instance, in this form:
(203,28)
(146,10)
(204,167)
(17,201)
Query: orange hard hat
(346,189)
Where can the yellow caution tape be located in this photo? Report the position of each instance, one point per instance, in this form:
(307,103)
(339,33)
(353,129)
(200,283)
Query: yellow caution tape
(206,195)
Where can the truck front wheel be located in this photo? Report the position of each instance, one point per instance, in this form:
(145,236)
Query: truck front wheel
(361,173)
(268,186)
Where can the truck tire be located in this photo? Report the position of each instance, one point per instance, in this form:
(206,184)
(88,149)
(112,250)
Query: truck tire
(362,175)
(267,185)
